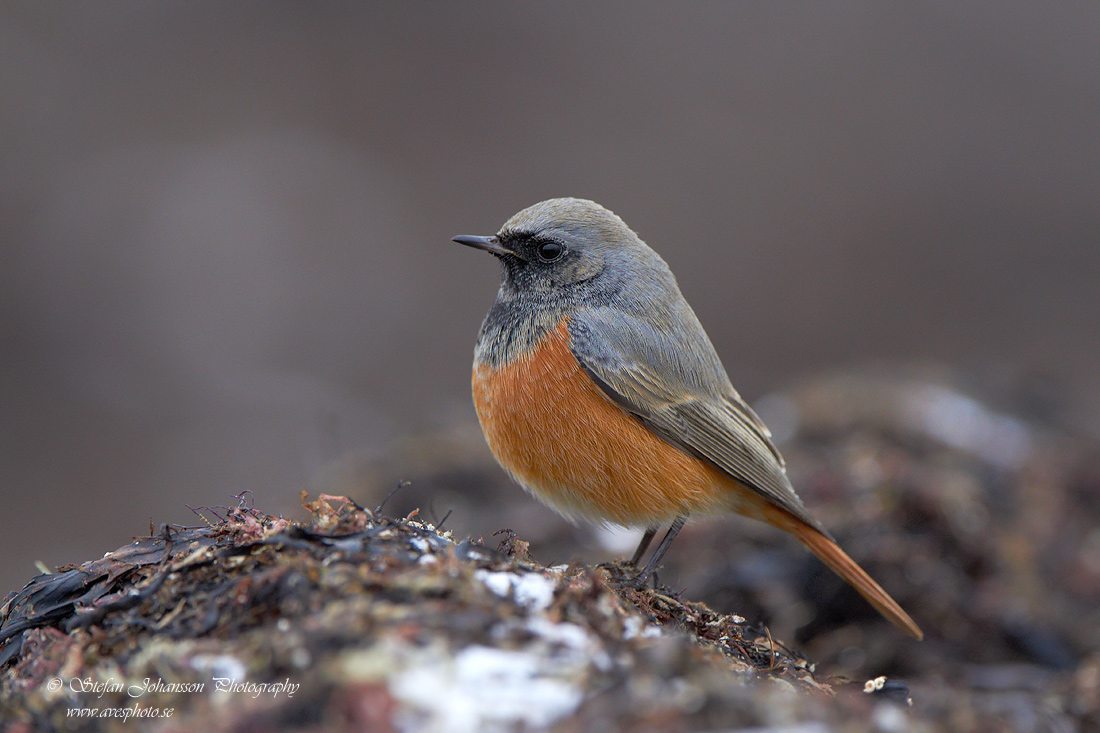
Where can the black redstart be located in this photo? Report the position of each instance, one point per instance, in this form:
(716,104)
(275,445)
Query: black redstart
(600,393)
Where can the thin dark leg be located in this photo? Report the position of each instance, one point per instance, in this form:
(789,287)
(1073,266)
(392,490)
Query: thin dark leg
(662,548)
(646,539)
(639,580)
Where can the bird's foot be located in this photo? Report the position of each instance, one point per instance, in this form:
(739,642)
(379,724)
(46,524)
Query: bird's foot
(638,581)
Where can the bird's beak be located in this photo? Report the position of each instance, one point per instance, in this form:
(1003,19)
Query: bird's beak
(489,244)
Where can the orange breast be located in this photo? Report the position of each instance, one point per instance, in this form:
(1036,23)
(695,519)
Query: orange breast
(552,429)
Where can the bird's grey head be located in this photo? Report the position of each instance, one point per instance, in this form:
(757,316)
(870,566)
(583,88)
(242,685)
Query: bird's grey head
(569,244)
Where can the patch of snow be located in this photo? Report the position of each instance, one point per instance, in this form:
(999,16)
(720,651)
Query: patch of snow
(531,590)
(220,665)
(580,646)
(563,633)
(634,627)
(483,689)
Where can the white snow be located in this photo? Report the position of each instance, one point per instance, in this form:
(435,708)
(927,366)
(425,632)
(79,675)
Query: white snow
(483,689)
(531,590)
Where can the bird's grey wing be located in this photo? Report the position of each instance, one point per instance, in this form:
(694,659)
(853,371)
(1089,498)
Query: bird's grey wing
(671,379)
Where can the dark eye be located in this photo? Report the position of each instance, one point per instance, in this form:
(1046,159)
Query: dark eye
(550,251)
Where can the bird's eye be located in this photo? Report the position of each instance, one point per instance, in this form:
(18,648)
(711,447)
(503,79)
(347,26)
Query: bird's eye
(550,251)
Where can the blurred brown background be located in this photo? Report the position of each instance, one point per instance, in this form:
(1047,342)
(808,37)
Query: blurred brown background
(224,228)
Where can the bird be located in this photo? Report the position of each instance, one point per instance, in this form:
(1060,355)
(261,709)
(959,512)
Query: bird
(600,393)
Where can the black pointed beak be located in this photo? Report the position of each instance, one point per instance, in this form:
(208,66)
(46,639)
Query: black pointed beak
(489,244)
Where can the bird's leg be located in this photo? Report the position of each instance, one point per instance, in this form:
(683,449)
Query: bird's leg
(639,580)
(646,539)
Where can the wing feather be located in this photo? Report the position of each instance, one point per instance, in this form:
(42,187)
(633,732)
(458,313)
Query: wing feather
(672,381)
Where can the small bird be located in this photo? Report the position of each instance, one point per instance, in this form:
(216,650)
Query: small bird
(600,393)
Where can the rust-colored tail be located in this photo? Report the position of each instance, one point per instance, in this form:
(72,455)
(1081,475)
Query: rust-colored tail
(846,567)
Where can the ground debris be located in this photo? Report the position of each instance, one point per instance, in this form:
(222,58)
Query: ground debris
(355,619)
